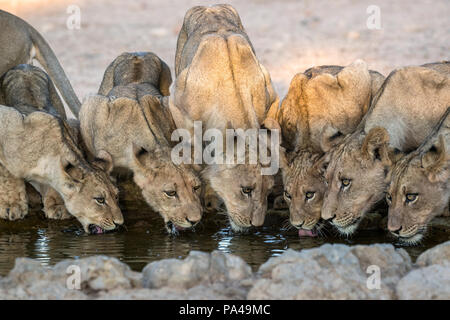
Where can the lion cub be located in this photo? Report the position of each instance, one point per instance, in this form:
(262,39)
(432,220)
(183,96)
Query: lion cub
(127,122)
(38,146)
(405,110)
(221,83)
(420,188)
(323,105)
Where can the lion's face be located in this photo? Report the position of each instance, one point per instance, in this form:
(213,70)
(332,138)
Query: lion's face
(172,190)
(357,177)
(418,192)
(244,192)
(91,197)
(304,189)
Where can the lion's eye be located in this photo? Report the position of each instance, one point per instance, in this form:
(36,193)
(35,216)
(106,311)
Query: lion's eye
(388,197)
(411,197)
(196,188)
(346,182)
(170,193)
(309,195)
(247,190)
(100,200)
(287,195)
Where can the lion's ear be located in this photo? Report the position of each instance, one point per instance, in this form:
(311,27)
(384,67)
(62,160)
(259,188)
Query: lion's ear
(103,160)
(74,177)
(436,162)
(354,75)
(108,78)
(321,165)
(165,79)
(376,145)
(330,137)
(138,153)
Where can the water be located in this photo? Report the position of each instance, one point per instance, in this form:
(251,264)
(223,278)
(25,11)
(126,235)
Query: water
(145,240)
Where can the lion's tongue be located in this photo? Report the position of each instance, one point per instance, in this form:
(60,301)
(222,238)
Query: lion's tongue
(98,230)
(306,233)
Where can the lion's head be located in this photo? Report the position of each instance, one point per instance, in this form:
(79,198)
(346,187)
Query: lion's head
(304,188)
(418,192)
(170,189)
(90,196)
(244,191)
(357,176)
(136,133)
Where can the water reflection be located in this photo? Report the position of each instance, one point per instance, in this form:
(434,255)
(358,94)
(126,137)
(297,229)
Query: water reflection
(146,241)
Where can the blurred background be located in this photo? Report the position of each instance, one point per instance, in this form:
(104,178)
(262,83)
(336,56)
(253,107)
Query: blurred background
(289,36)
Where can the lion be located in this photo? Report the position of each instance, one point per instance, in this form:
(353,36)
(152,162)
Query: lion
(323,105)
(419,189)
(20,43)
(128,121)
(40,148)
(220,82)
(27,89)
(405,110)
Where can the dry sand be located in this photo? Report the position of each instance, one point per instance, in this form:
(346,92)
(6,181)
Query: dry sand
(288,36)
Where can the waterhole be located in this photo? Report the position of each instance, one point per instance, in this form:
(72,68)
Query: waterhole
(145,240)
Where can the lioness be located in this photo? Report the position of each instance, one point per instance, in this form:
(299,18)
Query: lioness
(420,188)
(407,107)
(21,43)
(127,122)
(221,83)
(323,105)
(40,147)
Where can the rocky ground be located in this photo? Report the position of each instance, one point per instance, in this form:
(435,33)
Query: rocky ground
(328,272)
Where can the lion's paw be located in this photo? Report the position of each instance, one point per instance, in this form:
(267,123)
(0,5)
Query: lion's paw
(280,204)
(57,212)
(212,202)
(13,210)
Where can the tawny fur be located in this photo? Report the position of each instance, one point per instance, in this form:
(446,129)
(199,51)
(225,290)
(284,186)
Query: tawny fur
(20,43)
(41,148)
(323,105)
(424,174)
(405,110)
(128,122)
(220,82)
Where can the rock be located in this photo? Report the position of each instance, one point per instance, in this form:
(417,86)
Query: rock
(193,270)
(331,272)
(217,291)
(431,282)
(197,268)
(30,280)
(228,267)
(439,254)
(100,273)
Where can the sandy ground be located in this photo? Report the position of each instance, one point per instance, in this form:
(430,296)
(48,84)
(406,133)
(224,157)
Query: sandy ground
(288,36)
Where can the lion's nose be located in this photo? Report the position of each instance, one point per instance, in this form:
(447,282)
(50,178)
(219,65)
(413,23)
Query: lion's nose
(193,220)
(298,225)
(331,218)
(397,231)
